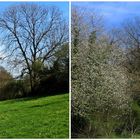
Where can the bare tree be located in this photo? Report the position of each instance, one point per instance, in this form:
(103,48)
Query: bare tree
(31,34)
(130,40)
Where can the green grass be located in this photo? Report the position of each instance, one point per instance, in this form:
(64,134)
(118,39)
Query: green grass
(45,117)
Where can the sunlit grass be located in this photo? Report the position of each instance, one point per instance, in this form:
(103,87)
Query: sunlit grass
(45,117)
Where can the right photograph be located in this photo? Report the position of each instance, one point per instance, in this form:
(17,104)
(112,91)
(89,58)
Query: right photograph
(105,69)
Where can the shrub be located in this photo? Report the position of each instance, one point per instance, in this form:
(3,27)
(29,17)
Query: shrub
(13,89)
(100,86)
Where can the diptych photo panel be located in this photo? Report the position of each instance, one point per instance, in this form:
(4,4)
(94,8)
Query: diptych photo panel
(69,69)
(34,69)
(105,86)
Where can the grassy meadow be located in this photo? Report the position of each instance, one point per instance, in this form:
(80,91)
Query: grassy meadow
(45,117)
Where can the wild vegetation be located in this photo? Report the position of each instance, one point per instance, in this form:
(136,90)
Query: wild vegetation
(105,77)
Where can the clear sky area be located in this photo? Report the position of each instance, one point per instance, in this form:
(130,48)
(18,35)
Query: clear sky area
(63,6)
(114,13)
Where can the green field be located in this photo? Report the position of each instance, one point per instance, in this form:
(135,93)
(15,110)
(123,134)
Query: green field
(45,117)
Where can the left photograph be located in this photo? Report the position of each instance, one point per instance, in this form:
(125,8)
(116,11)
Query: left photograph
(34,70)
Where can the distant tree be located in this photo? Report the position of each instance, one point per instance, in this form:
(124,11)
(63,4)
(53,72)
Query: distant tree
(5,77)
(62,59)
(130,41)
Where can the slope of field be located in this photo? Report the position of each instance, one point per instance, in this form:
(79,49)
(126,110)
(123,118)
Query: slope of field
(45,117)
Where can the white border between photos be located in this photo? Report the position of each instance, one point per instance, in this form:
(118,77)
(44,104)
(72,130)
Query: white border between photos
(69,70)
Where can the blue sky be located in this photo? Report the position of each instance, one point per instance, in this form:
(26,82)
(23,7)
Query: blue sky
(114,13)
(63,6)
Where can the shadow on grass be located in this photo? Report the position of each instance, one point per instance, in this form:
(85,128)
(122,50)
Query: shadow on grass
(29,98)
(38,106)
